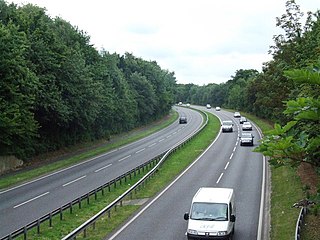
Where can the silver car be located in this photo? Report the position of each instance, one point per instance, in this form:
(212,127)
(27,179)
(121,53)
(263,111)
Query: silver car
(246,126)
(246,139)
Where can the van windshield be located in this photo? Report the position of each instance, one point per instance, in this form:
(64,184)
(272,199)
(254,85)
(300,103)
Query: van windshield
(209,211)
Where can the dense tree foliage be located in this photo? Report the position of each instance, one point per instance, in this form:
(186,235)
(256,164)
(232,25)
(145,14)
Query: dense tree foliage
(298,141)
(56,89)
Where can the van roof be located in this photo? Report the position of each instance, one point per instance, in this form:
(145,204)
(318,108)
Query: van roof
(214,195)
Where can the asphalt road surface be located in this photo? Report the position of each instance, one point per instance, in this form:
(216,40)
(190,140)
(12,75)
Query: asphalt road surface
(224,164)
(25,203)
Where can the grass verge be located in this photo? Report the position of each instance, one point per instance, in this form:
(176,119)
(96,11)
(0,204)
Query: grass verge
(286,189)
(132,136)
(176,163)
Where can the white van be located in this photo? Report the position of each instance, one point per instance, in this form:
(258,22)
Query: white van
(212,214)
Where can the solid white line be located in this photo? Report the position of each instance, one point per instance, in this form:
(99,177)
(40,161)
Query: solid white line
(231,156)
(157,197)
(225,168)
(66,184)
(141,150)
(152,145)
(102,168)
(219,178)
(124,158)
(263,186)
(41,195)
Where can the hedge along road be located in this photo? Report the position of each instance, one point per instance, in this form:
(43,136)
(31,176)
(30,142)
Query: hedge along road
(224,164)
(25,203)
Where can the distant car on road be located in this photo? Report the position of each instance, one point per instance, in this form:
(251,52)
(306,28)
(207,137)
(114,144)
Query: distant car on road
(218,108)
(227,126)
(246,126)
(246,138)
(188,104)
(182,120)
(208,106)
(242,120)
(236,114)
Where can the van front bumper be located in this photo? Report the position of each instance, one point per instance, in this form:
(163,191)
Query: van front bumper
(195,237)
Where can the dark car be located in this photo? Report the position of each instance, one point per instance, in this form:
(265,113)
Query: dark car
(246,139)
(183,120)
(242,120)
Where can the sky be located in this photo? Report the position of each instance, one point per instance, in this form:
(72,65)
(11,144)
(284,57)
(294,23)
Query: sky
(201,41)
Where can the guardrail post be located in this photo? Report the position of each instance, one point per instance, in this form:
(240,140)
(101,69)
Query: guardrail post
(25,233)
(50,219)
(102,191)
(85,233)
(70,208)
(79,202)
(38,226)
(61,213)
(95,194)
(88,199)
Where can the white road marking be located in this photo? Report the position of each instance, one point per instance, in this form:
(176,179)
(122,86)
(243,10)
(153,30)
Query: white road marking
(41,195)
(73,181)
(140,150)
(102,168)
(219,178)
(124,158)
(161,140)
(160,194)
(234,149)
(151,145)
(169,136)
(231,156)
(225,168)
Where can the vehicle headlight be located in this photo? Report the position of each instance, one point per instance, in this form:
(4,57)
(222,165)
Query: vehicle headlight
(222,233)
(191,231)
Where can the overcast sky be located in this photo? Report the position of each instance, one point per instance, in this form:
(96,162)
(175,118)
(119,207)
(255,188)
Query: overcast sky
(201,41)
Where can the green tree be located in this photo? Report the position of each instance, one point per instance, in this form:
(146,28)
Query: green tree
(298,140)
(18,86)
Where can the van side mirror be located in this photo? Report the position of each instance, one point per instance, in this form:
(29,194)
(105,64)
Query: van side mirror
(232,218)
(186,216)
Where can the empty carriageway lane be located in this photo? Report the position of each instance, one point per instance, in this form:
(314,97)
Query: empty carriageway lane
(224,164)
(27,202)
